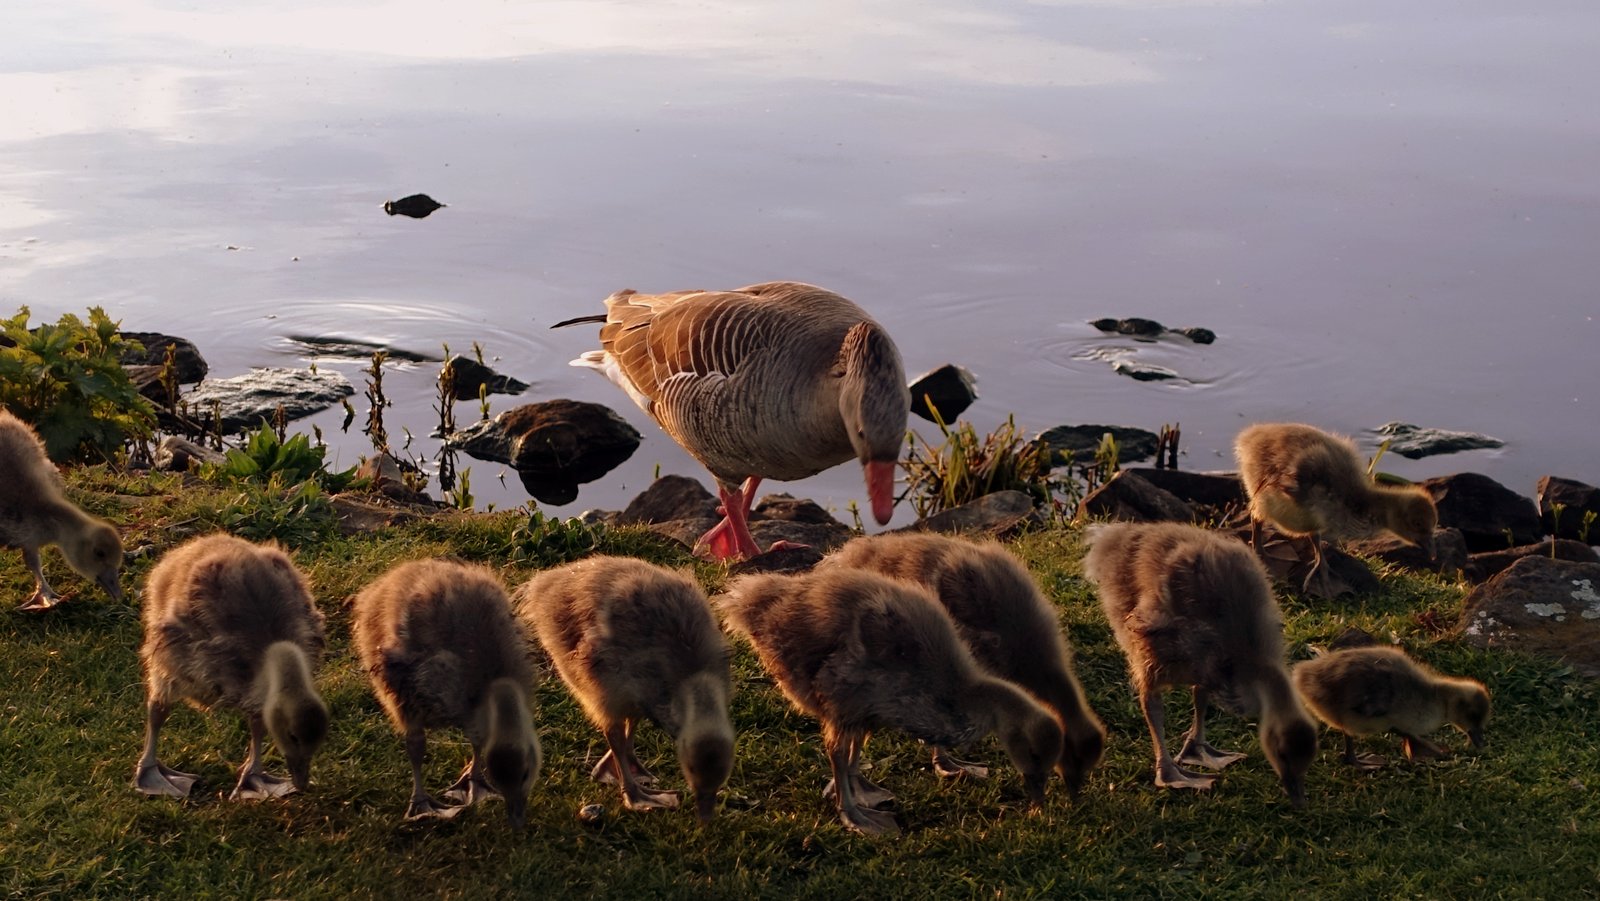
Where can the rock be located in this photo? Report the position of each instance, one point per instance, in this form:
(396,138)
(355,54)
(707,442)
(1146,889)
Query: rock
(592,814)
(1197,335)
(1127,497)
(356,349)
(1133,325)
(1578,499)
(996,514)
(951,388)
(358,516)
(1415,442)
(417,206)
(1539,606)
(1143,372)
(467,377)
(555,446)
(787,560)
(1081,441)
(1290,560)
(1484,566)
(388,477)
(176,454)
(1352,637)
(822,537)
(792,509)
(249,400)
(1484,510)
(1220,490)
(190,366)
(669,498)
(598,517)
(1450,551)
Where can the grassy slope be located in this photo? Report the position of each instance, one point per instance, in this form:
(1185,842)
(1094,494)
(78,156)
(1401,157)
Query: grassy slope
(1518,819)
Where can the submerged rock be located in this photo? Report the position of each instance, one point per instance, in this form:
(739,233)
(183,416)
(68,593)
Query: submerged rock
(417,206)
(1415,442)
(1577,500)
(249,400)
(951,388)
(1491,516)
(1149,328)
(554,446)
(1081,441)
(467,377)
(1143,372)
(190,366)
(1539,606)
(358,349)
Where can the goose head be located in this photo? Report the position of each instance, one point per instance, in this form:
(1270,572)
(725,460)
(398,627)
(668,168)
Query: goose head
(874,403)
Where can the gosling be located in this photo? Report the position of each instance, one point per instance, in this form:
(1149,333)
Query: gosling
(633,642)
(1310,483)
(228,623)
(439,641)
(1007,624)
(34,512)
(860,652)
(1370,690)
(1192,607)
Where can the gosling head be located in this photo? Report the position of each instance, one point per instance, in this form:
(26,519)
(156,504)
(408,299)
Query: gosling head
(96,553)
(512,755)
(1081,751)
(707,763)
(298,729)
(1290,743)
(1469,709)
(1413,517)
(1033,740)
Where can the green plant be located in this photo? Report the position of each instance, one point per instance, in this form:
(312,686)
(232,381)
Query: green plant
(376,402)
(545,541)
(966,467)
(65,379)
(460,494)
(265,457)
(1556,509)
(1589,517)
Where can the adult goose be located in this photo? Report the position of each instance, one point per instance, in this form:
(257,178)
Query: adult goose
(774,381)
(34,513)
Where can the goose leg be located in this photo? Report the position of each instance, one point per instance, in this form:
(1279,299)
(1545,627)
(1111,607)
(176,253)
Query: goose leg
(950,766)
(730,539)
(1418,748)
(635,796)
(44,597)
(1168,773)
(1361,761)
(151,777)
(254,783)
(422,806)
(1196,750)
(851,812)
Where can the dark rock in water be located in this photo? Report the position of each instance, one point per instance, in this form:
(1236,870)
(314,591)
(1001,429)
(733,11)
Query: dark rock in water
(555,446)
(1353,637)
(1539,606)
(1129,498)
(417,206)
(186,359)
(1450,552)
(1415,442)
(356,349)
(1577,499)
(1081,441)
(176,454)
(1133,325)
(1485,566)
(1143,372)
(951,388)
(787,560)
(249,400)
(1490,516)
(996,514)
(1208,489)
(467,376)
(669,498)
(1197,334)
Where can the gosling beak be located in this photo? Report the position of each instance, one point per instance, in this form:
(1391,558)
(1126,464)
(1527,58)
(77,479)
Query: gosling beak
(517,811)
(300,772)
(1296,787)
(705,806)
(1431,548)
(111,581)
(1476,737)
(1074,777)
(880,489)
(1034,785)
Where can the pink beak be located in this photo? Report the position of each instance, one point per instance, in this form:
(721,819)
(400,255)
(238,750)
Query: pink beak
(880,489)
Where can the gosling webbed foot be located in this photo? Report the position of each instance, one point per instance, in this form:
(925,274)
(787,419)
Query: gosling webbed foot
(641,798)
(261,787)
(425,808)
(1170,775)
(1201,753)
(868,794)
(867,821)
(605,772)
(41,600)
(469,789)
(159,781)
(1367,761)
(949,766)
(1422,749)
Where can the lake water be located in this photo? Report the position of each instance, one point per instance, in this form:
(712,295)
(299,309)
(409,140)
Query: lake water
(1385,210)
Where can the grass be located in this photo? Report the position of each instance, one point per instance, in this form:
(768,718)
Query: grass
(1518,819)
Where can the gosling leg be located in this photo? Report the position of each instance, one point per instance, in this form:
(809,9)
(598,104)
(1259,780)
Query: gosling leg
(150,776)
(1196,750)
(1168,773)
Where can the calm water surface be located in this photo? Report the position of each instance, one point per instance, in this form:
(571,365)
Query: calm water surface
(1385,210)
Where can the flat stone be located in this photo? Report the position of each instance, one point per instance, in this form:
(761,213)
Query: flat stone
(1081,441)
(1485,511)
(468,378)
(951,388)
(1484,566)
(997,514)
(1577,499)
(249,400)
(175,454)
(1539,606)
(358,516)
(554,446)
(788,560)
(1220,490)
(1128,497)
(1450,551)
(1415,442)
